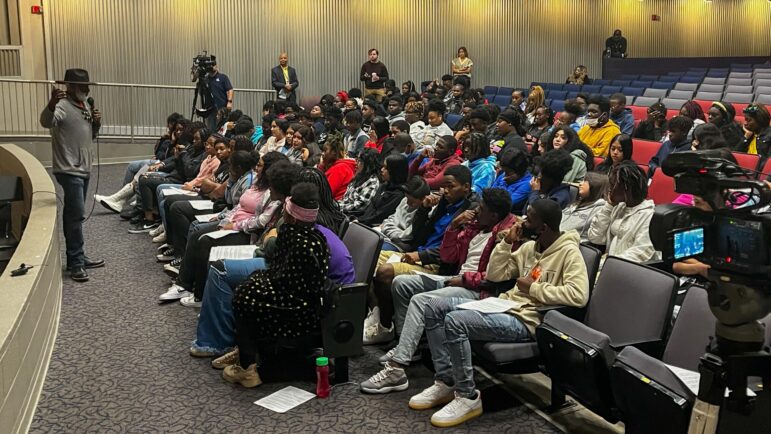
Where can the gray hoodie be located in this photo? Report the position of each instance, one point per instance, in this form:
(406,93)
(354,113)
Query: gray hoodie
(71,137)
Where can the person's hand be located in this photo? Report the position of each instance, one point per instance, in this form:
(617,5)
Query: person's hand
(747,133)
(524,283)
(372,135)
(229,125)
(375,76)
(535,183)
(227,226)
(431,200)
(154,167)
(701,268)
(463,218)
(513,234)
(609,197)
(214,219)
(288,87)
(96,118)
(56,95)
(273,233)
(187,186)
(411,258)
(455,281)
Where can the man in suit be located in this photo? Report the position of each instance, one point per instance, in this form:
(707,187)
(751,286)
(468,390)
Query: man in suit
(284,79)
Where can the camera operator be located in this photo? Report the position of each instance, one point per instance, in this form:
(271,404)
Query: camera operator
(221,91)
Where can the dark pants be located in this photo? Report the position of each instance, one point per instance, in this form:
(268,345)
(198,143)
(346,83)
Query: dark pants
(73,215)
(146,188)
(179,216)
(195,263)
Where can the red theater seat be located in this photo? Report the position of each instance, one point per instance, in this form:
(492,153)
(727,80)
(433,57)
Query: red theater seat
(662,188)
(644,150)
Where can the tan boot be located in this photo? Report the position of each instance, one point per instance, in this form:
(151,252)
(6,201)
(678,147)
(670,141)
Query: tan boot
(246,377)
(225,360)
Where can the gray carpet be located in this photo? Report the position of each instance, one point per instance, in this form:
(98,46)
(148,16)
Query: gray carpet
(121,364)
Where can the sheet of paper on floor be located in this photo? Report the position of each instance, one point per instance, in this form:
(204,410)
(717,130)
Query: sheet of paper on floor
(285,399)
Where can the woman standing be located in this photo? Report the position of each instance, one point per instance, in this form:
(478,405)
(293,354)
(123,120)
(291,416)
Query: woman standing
(461,65)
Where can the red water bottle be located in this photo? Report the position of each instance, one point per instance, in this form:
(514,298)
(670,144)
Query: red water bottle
(322,377)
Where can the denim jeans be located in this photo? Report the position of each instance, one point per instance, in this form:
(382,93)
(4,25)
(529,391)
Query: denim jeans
(403,288)
(73,214)
(414,322)
(161,198)
(216,324)
(449,331)
(133,168)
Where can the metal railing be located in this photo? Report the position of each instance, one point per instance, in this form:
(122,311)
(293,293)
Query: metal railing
(129,111)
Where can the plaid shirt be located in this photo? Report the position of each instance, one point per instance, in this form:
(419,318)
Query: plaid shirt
(357,197)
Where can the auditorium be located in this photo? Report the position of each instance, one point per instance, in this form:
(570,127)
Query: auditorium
(385,216)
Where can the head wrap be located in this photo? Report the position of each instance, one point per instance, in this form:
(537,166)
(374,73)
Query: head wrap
(306,215)
(343,95)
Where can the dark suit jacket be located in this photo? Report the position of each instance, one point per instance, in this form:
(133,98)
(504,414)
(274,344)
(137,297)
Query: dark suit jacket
(277,79)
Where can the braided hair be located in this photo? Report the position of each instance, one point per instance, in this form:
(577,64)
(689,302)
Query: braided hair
(632,179)
(330,214)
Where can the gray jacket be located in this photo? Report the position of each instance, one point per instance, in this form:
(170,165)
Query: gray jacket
(71,137)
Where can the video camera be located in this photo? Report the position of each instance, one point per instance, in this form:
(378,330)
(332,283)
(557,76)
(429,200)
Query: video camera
(202,65)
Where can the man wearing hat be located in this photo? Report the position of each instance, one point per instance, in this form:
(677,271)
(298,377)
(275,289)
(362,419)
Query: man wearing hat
(73,123)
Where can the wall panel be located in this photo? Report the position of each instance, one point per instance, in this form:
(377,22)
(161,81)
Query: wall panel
(512,42)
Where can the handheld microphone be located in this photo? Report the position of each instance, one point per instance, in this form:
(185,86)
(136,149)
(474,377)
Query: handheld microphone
(90,101)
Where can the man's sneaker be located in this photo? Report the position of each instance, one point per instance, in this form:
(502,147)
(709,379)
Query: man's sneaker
(166,255)
(79,274)
(373,317)
(160,238)
(144,226)
(377,334)
(225,360)
(199,352)
(387,357)
(175,292)
(389,379)
(459,410)
(172,268)
(157,231)
(163,247)
(190,301)
(438,394)
(246,377)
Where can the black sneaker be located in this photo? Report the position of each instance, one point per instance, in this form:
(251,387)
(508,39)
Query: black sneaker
(144,226)
(79,274)
(172,268)
(166,255)
(130,212)
(139,218)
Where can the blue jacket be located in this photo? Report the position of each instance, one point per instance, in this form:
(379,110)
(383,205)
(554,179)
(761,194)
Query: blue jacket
(560,194)
(625,121)
(519,191)
(666,148)
(482,173)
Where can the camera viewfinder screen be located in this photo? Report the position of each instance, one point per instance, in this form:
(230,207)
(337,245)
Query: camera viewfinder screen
(689,243)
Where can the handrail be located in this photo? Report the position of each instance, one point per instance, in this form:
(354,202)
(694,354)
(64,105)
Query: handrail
(135,85)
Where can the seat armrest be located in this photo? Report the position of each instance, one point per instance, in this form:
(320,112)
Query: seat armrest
(653,348)
(576,313)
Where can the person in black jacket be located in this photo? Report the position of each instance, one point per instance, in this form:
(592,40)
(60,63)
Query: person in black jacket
(390,193)
(374,75)
(757,132)
(284,79)
(722,114)
(654,126)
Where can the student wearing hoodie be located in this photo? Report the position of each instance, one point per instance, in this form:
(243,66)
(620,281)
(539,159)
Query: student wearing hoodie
(678,141)
(514,177)
(591,193)
(547,183)
(563,137)
(476,150)
(444,156)
(622,224)
(389,194)
(599,129)
(397,228)
(467,244)
(620,114)
(549,270)
(338,169)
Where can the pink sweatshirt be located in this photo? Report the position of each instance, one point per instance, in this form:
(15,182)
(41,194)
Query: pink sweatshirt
(209,165)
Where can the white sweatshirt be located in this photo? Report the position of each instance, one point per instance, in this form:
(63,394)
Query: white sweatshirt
(624,231)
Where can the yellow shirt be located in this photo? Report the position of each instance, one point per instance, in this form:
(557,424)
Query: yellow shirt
(598,139)
(753,148)
(285,70)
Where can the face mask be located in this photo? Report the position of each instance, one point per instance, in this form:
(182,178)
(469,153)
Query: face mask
(592,122)
(529,233)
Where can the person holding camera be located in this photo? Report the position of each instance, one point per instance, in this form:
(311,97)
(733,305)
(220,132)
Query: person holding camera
(284,79)
(74,124)
(221,91)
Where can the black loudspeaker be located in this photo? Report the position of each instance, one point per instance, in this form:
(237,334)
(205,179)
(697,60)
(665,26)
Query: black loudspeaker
(342,325)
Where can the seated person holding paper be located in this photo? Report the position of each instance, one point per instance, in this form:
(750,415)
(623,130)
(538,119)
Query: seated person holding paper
(549,270)
(468,242)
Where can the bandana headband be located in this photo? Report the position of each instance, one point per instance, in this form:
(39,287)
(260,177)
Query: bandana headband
(306,215)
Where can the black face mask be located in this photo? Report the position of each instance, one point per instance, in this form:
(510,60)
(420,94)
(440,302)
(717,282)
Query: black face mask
(529,233)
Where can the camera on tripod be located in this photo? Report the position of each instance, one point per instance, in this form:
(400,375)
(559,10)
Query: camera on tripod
(202,64)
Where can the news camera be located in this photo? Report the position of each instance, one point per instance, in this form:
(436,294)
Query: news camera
(202,65)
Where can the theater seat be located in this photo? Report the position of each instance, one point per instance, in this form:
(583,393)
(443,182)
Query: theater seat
(638,112)
(709,96)
(686,86)
(662,188)
(690,79)
(673,106)
(591,88)
(644,150)
(704,104)
(505,91)
(764,99)
(680,94)
(745,98)
(747,161)
(645,101)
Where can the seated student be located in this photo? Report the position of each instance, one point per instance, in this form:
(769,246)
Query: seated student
(599,129)
(395,109)
(441,157)
(569,115)
(428,226)
(397,227)
(436,127)
(547,183)
(277,140)
(621,225)
(678,141)
(305,151)
(413,114)
(620,150)
(355,138)
(509,132)
(542,121)
(466,247)
(338,169)
(281,301)
(591,193)
(620,114)
(476,151)
(477,120)
(694,112)
(549,270)
(390,193)
(404,145)
(654,127)
(364,184)
(400,126)
(514,177)
(757,130)
(722,115)
(380,131)
(563,137)
(369,109)
(707,136)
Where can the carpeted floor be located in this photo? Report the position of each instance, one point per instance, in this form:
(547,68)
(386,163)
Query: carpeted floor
(121,364)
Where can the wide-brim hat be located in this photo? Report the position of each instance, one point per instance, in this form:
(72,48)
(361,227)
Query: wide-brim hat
(76,76)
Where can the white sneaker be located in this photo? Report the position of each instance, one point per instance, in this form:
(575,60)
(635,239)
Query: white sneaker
(160,238)
(163,247)
(377,334)
(175,292)
(389,379)
(437,394)
(189,301)
(112,205)
(373,317)
(459,410)
(157,231)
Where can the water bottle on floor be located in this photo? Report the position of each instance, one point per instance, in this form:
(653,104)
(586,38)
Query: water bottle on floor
(322,377)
